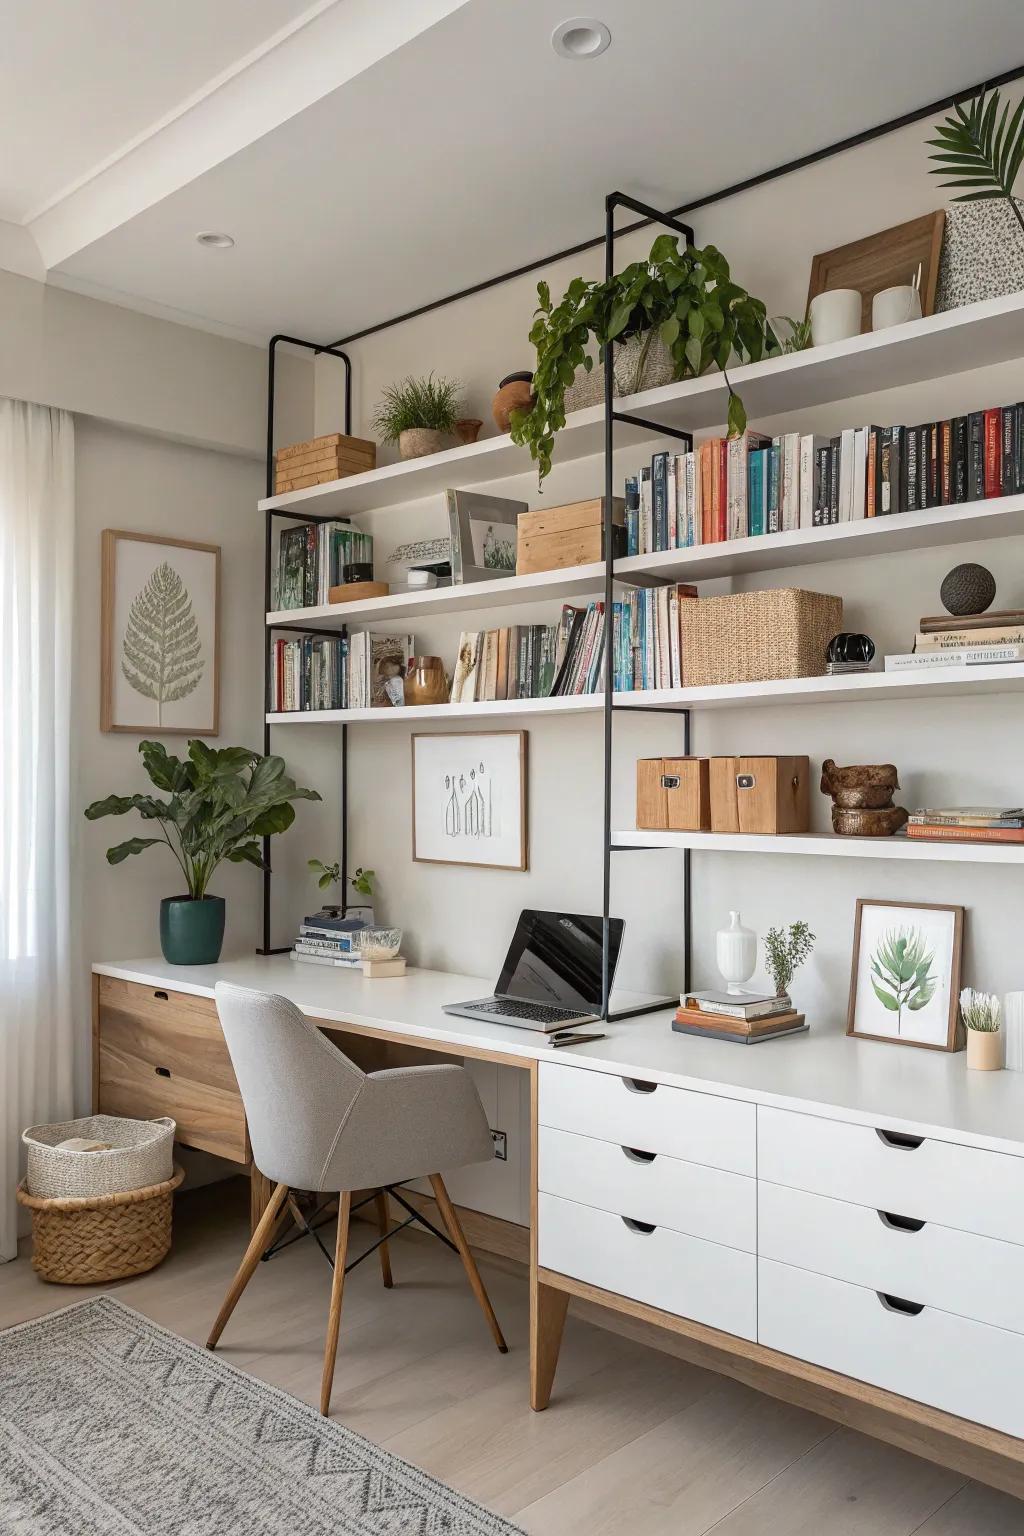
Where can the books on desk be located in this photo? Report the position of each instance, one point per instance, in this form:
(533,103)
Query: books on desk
(740,1017)
(328,937)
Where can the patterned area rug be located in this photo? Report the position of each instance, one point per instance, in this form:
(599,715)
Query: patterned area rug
(110,1426)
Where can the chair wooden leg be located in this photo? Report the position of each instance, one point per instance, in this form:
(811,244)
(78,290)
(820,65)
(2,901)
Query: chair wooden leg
(266,1230)
(458,1237)
(337,1288)
(385,1256)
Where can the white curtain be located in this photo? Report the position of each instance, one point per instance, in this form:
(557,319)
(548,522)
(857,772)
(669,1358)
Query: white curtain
(37,461)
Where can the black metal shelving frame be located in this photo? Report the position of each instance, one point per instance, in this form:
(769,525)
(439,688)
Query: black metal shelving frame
(614,202)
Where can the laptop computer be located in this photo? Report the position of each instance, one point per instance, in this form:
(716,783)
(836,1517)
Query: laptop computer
(551,978)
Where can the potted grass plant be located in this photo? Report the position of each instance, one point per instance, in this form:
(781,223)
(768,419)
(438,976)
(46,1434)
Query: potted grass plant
(981,1012)
(219,804)
(418,414)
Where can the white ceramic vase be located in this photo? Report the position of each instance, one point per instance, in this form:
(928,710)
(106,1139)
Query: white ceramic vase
(736,953)
(1013,1030)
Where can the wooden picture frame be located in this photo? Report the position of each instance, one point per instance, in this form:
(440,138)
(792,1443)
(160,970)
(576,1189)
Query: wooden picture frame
(884,260)
(129,668)
(461,822)
(937,1033)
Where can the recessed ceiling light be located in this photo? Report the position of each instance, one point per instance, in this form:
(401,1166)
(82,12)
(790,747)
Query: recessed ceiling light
(580,38)
(214,241)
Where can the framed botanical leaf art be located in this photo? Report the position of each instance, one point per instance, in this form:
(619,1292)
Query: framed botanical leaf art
(160,635)
(905,985)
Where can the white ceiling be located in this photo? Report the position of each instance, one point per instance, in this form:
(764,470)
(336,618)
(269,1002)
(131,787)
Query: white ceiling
(370,157)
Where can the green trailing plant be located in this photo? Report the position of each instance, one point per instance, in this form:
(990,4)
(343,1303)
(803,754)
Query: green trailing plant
(901,972)
(981,1011)
(785,950)
(686,296)
(425,402)
(980,150)
(219,804)
(361,881)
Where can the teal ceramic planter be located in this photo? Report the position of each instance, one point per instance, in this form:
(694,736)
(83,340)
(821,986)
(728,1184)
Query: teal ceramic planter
(192,932)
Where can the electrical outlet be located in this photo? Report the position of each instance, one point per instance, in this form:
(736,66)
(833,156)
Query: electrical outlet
(500,1141)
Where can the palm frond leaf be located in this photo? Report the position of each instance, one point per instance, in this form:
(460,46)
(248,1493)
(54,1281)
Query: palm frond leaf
(979,149)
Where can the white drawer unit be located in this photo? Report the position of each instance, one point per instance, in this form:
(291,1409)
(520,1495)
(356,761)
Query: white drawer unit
(650,1117)
(966,1368)
(649,1187)
(928,1180)
(666,1269)
(976,1277)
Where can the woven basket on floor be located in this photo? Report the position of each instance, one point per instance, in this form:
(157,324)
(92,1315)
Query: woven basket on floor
(751,637)
(141,1154)
(107,1237)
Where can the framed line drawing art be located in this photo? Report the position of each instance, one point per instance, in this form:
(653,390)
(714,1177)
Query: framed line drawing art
(905,983)
(160,635)
(469,799)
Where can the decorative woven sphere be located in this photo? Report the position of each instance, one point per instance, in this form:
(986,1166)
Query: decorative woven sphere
(968,589)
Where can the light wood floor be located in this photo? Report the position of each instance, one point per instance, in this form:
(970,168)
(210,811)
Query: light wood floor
(634,1441)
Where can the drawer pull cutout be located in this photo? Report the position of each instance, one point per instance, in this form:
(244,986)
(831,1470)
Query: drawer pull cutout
(636,1156)
(162,1071)
(637,1085)
(899,1223)
(161,995)
(641,1228)
(899,1304)
(900,1140)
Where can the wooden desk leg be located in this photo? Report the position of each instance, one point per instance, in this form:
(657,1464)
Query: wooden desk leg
(547,1320)
(260,1191)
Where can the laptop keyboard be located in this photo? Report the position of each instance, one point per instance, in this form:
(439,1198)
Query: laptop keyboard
(542,1013)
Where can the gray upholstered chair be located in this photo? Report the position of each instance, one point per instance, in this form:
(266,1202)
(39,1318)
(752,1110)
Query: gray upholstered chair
(317,1122)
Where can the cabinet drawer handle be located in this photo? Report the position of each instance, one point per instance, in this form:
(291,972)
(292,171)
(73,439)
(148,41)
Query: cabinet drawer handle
(636,1156)
(670,781)
(162,1071)
(161,995)
(900,1140)
(899,1304)
(899,1223)
(641,1228)
(637,1085)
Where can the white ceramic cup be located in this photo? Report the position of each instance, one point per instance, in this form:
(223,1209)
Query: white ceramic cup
(895,306)
(835,315)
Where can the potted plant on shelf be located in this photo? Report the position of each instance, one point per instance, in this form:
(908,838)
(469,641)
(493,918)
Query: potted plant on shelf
(785,950)
(979,150)
(418,414)
(685,300)
(981,1013)
(361,881)
(220,803)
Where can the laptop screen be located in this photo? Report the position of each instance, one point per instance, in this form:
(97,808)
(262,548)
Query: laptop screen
(555,957)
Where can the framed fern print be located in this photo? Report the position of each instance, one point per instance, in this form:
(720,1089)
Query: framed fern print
(905,985)
(160,635)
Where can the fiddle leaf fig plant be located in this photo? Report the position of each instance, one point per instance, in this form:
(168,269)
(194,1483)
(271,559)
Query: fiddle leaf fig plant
(686,296)
(219,804)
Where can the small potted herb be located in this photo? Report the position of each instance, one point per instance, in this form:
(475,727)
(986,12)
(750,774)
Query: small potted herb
(981,1013)
(219,804)
(785,950)
(418,414)
(361,882)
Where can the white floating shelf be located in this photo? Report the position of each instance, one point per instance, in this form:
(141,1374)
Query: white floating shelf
(574,704)
(974,336)
(827,844)
(1000,517)
(859,686)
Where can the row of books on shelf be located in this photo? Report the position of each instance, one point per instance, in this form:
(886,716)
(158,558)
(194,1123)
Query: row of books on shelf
(358,671)
(311,559)
(748,486)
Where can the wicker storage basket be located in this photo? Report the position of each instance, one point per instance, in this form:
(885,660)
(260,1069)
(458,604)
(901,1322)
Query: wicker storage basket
(141,1155)
(750,637)
(88,1242)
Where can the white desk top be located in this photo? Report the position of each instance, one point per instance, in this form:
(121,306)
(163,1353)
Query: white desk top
(926,1092)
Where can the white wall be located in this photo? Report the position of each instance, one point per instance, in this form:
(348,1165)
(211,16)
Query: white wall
(960,751)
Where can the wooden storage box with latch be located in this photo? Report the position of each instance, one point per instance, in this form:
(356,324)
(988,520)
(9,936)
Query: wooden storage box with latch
(760,794)
(673,794)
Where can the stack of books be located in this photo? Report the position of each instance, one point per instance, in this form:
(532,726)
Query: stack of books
(328,937)
(968,824)
(518,662)
(311,559)
(360,671)
(978,639)
(744,1017)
